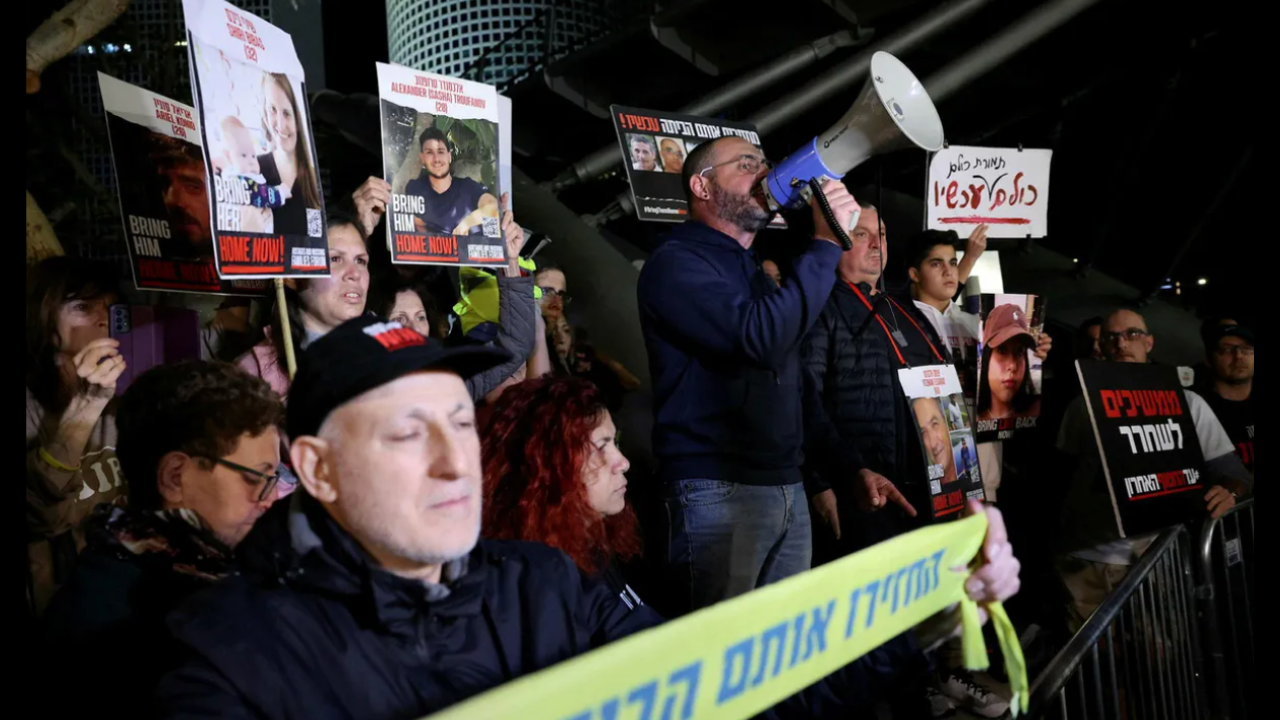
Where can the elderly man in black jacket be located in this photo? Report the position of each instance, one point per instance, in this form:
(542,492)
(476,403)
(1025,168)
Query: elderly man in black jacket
(861,447)
(369,595)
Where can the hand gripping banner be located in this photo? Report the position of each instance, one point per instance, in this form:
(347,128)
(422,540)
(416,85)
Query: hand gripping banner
(741,656)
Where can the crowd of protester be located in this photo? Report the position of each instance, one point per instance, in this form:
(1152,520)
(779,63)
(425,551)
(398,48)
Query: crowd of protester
(437,502)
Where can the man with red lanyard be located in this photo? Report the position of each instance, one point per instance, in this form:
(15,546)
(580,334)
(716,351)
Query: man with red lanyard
(862,452)
(861,448)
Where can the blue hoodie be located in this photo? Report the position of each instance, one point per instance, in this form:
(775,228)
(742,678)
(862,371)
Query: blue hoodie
(724,355)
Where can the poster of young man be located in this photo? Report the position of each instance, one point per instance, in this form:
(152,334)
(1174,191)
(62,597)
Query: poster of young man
(164,192)
(946,437)
(1010,377)
(962,332)
(655,145)
(250,92)
(440,154)
(1146,435)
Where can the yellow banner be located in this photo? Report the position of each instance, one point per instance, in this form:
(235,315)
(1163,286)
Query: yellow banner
(741,656)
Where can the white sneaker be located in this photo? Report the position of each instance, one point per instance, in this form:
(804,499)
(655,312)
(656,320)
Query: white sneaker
(940,706)
(961,687)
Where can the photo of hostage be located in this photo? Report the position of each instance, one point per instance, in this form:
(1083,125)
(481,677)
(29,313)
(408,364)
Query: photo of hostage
(935,438)
(967,459)
(180,178)
(1006,389)
(240,162)
(672,155)
(644,153)
(453,205)
(286,169)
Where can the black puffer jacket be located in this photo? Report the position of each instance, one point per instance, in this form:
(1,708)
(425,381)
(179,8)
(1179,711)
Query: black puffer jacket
(855,414)
(313,630)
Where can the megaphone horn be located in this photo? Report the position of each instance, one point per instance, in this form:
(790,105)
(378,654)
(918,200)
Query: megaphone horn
(892,111)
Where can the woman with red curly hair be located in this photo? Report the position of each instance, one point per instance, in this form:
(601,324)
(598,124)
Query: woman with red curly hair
(553,474)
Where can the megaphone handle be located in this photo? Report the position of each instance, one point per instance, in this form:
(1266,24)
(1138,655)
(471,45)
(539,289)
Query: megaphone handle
(841,234)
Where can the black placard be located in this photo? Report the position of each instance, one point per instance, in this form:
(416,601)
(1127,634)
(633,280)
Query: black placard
(655,144)
(1150,451)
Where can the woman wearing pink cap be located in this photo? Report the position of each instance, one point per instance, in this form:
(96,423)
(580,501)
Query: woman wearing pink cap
(1006,390)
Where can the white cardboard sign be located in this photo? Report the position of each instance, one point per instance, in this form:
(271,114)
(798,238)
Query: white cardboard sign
(1004,188)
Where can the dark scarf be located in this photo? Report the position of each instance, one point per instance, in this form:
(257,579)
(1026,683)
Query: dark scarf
(176,539)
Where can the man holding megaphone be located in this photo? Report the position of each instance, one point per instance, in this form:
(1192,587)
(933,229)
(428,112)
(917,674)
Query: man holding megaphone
(723,343)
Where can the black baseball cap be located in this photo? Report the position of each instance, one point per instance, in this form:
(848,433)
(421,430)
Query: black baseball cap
(1213,331)
(365,353)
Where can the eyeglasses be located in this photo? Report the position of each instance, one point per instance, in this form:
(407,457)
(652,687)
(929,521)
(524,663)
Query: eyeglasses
(254,478)
(1130,335)
(747,165)
(1241,350)
(548,292)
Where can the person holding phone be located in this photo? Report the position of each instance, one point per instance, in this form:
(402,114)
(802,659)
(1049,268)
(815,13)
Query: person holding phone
(72,367)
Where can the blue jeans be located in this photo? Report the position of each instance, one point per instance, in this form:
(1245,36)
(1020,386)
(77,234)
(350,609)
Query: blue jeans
(728,539)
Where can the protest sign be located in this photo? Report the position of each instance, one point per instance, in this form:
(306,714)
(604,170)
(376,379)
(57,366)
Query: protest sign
(655,145)
(1010,377)
(960,331)
(251,98)
(1151,454)
(163,188)
(504,147)
(946,436)
(986,275)
(440,154)
(735,659)
(1005,188)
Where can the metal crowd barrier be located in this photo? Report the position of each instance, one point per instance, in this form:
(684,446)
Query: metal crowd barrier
(1138,655)
(1225,589)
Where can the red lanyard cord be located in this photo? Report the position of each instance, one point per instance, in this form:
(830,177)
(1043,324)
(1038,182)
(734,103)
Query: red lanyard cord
(894,343)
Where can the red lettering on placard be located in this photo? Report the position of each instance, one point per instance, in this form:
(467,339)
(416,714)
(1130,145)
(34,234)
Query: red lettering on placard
(233,248)
(268,251)
(443,245)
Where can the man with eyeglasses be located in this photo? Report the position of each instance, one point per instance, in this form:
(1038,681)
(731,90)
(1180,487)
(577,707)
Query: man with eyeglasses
(724,354)
(199,442)
(369,593)
(1228,348)
(552,285)
(1095,559)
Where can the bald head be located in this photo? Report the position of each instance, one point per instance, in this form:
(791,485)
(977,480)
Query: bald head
(1125,337)
(726,194)
(700,158)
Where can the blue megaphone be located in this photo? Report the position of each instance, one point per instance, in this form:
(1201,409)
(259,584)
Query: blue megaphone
(892,111)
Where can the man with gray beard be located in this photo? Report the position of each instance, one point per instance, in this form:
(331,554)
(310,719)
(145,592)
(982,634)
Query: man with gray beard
(724,354)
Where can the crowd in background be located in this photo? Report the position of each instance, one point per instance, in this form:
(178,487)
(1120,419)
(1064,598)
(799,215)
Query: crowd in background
(221,540)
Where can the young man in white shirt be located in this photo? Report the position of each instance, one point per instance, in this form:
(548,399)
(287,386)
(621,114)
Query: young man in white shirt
(937,279)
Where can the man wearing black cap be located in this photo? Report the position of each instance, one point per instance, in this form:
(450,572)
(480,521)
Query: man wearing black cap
(1228,349)
(375,572)
(370,594)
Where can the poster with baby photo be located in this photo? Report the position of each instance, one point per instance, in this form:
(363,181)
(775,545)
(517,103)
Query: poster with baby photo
(1010,376)
(947,439)
(163,189)
(251,98)
(440,154)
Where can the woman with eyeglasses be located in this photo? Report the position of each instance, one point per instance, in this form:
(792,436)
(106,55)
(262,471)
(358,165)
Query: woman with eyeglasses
(200,441)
